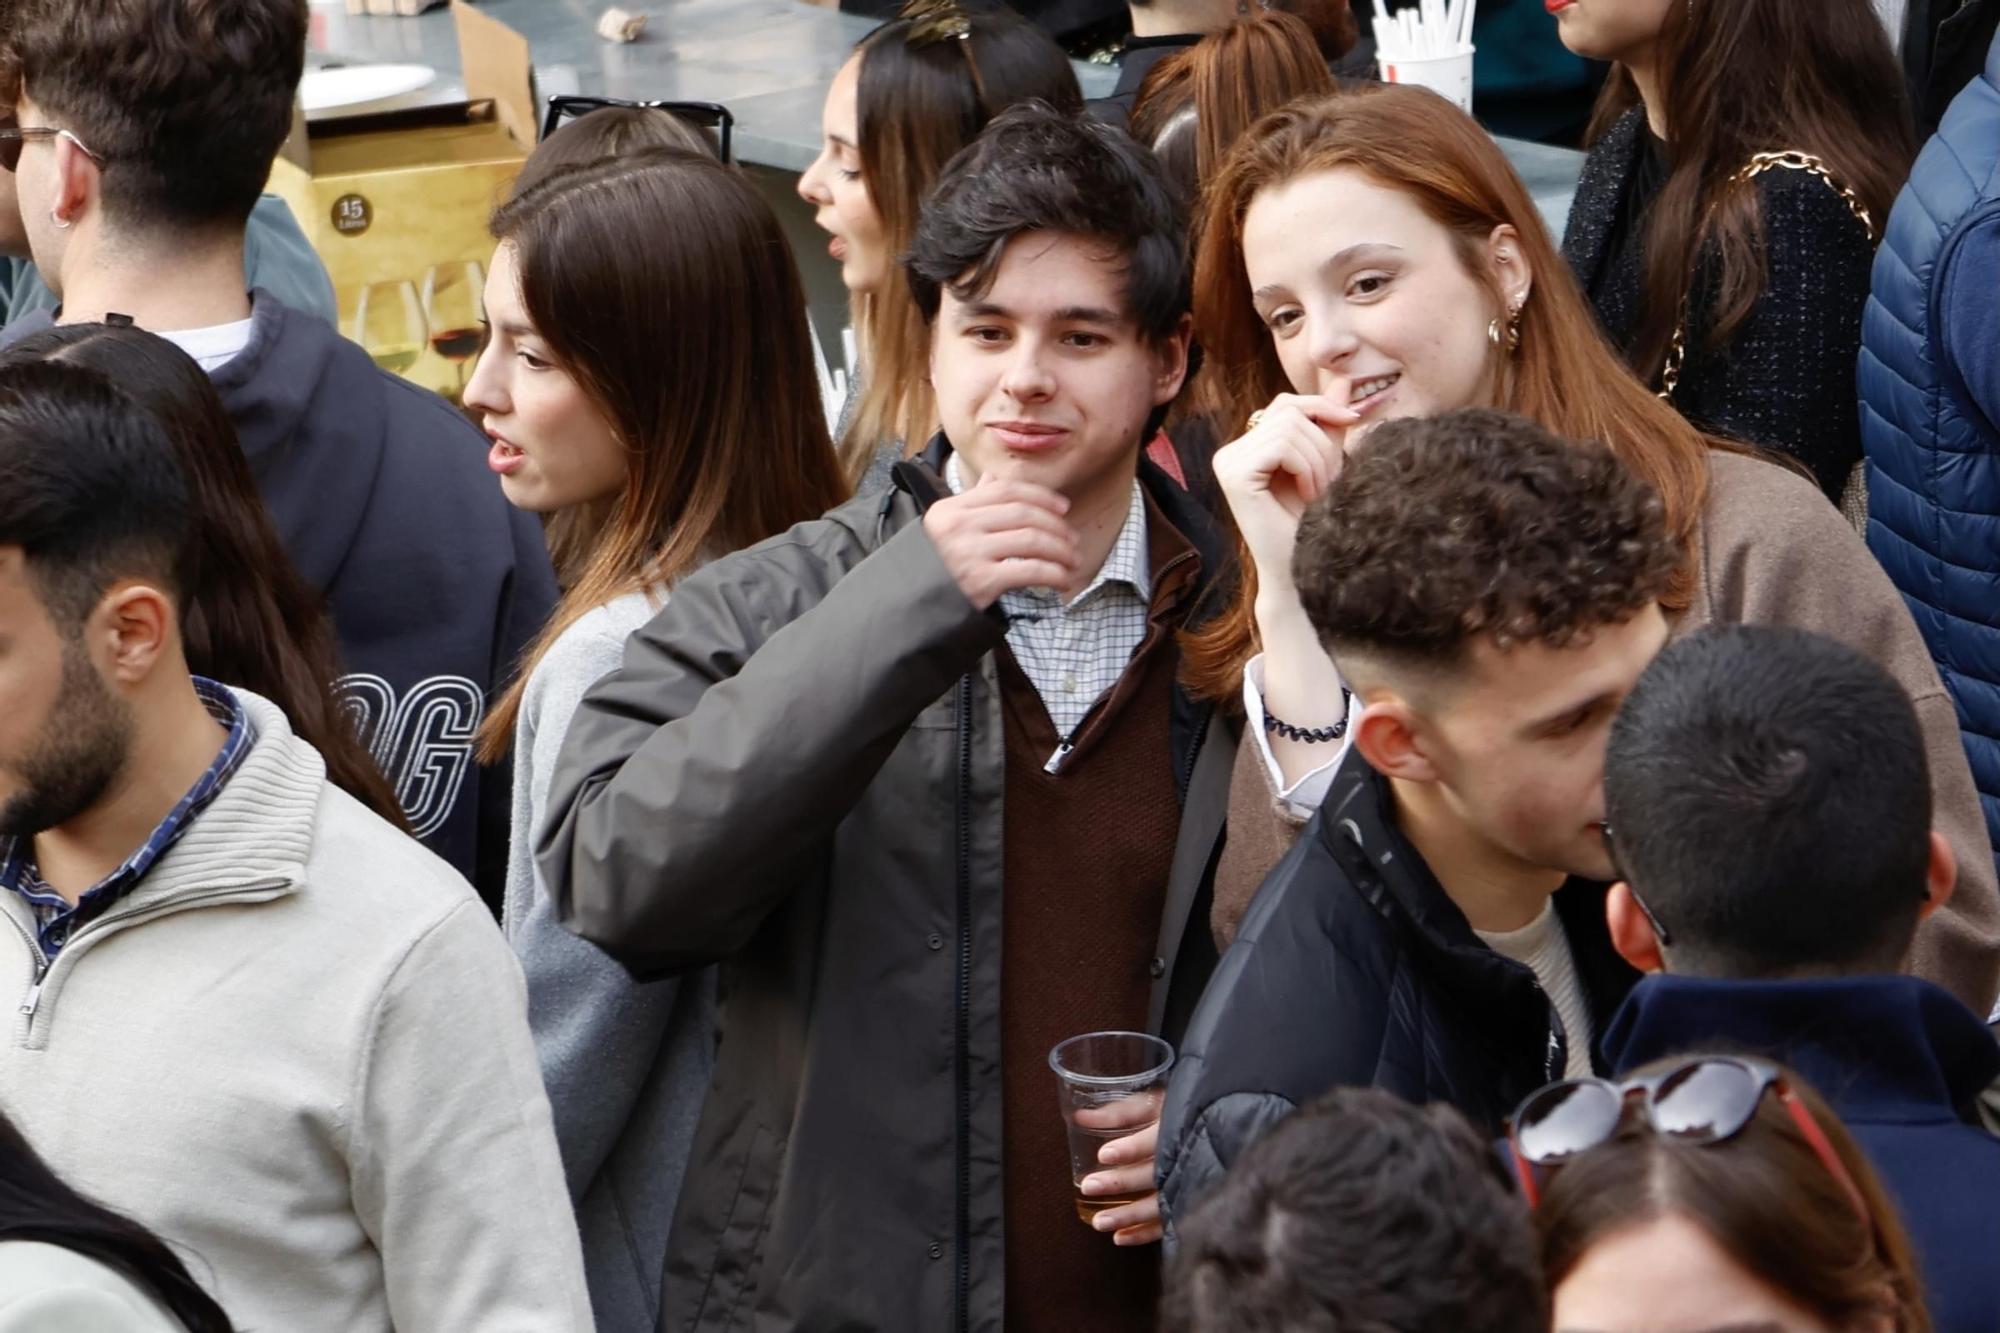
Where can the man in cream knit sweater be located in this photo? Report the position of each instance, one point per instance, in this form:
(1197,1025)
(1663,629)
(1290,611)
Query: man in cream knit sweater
(247,1012)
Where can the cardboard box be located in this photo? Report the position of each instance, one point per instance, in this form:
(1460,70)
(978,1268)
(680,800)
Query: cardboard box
(396,204)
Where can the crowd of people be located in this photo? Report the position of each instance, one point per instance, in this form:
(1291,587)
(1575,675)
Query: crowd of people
(1514,714)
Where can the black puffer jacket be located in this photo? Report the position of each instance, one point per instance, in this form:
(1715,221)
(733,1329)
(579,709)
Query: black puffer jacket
(1353,968)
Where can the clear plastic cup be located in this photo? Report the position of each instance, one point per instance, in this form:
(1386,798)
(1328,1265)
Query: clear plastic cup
(1112,1085)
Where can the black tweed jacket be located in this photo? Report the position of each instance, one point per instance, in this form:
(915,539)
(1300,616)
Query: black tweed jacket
(1785,379)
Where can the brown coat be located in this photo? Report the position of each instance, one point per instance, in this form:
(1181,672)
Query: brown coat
(1773,552)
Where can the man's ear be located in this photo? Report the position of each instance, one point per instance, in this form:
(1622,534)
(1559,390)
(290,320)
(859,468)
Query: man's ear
(77,181)
(1942,878)
(132,628)
(1387,734)
(1631,933)
(1170,362)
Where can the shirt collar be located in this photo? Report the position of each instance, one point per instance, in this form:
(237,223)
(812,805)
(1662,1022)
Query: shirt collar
(1127,563)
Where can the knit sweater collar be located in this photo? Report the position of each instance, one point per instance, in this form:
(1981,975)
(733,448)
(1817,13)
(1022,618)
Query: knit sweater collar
(259,829)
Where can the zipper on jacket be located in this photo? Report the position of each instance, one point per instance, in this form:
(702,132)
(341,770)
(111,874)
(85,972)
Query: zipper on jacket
(111,924)
(33,999)
(962,1288)
(1194,750)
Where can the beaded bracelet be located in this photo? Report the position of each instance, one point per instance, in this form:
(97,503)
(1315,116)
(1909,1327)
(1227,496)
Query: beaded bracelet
(1311,735)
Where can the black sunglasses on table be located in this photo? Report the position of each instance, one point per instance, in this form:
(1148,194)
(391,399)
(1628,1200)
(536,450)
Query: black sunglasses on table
(712,117)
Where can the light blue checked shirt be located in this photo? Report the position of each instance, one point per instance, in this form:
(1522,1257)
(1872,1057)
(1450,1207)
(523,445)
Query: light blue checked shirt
(1074,653)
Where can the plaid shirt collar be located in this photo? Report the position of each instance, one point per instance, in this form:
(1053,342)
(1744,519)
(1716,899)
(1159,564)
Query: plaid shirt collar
(1126,564)
(57,921)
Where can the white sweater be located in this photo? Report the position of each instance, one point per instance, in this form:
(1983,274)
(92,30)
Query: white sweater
(48,1289)
(299,1052)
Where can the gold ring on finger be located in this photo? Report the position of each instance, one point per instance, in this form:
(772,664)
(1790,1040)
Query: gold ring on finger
(1256,420)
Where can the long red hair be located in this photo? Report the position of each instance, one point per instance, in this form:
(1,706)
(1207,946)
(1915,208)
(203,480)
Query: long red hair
(1564,375)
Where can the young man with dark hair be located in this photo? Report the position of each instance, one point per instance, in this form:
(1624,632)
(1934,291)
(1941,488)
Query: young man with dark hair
(920,777)
(1490,592)
(145,131)
(247,1012)
(1360,1212)
(1769,806)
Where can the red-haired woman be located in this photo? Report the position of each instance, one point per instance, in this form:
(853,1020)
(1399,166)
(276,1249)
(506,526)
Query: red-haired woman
(1373,255)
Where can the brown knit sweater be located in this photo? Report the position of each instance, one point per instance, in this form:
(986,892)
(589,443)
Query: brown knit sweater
(1088,850)
(1773,552)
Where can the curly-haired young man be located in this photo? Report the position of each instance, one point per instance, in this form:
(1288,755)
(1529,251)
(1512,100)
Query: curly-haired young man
(1490,592)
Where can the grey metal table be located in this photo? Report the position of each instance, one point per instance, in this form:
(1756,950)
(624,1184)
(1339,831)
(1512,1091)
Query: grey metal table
(768,61)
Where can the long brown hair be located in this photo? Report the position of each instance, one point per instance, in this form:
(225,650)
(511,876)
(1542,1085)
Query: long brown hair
(664,288)
(247,617)
(610,131)
(1764,1196)
(1738,79)
(1564,375)
(921,98)
(1224,84)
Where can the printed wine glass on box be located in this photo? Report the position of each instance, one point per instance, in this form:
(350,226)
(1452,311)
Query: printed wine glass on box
(389,323)
(455,307)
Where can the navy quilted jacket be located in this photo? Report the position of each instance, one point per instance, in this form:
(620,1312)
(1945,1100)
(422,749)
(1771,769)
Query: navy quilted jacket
(1929,382)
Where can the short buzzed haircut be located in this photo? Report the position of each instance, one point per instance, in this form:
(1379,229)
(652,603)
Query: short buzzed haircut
(184,102)
(1360,1214)
(1476,524)
(1038,169)
(1770,803)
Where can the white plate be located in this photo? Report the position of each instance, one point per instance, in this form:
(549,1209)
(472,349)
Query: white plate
(356,88)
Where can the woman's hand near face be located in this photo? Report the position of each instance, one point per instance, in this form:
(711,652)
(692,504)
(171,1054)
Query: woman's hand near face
(1268,477)
(1274,470)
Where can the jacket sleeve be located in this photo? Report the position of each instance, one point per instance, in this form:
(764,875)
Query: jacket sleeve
(1968,282)
(598,1033)
(1795,561)
(453,1160)
(700,783)
(1245,1063)
(1786,378)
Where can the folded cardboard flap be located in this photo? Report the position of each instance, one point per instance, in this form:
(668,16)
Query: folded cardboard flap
(499,67)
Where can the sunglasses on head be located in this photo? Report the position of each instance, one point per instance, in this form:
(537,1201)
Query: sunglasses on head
(934,21)
(710,117)
(12,136)
(1704,1101)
